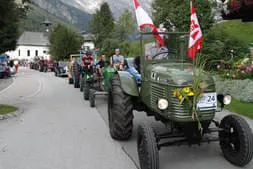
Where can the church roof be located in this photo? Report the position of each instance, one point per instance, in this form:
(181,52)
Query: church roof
(33,39)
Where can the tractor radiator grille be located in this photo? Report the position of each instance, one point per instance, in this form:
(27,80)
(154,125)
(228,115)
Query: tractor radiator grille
(157,92)
(176,107)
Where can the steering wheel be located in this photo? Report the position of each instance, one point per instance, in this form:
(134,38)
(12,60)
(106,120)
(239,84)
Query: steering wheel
(165,55)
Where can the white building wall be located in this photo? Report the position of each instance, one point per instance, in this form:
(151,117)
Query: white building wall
(21,52)
(89,44)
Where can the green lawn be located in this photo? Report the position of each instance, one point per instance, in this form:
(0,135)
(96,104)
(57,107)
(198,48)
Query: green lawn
(242,108)
(5,109)
(241,30)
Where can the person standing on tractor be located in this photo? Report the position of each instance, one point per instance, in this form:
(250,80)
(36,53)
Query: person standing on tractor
(117,60)
(87,62)
(102,63)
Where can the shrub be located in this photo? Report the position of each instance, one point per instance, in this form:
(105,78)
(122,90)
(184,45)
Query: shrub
(219,46)
(241,90)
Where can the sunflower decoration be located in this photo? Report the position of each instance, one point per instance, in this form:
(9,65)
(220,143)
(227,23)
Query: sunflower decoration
(183,93)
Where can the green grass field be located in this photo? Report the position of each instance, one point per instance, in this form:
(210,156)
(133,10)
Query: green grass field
(242,108)
(5,109)
(241,30)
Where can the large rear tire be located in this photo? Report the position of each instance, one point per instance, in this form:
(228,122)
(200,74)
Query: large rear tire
(86,88)
(70,81)
(92,97)
(120,111)
(81,84)
(236,140)
(147,147)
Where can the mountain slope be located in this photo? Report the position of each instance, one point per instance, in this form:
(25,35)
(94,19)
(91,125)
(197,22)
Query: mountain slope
(76,16)
(34,19)
(117,6)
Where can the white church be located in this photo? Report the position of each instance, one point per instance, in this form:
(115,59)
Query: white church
(30,45)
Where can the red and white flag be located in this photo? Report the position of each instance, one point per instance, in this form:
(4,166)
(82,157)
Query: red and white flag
(143,20)
(196,36)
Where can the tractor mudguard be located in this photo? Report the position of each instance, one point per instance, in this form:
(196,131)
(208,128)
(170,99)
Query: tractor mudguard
(128,83)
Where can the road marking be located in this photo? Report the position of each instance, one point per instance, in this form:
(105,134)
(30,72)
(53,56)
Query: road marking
(35,93)
(4,90)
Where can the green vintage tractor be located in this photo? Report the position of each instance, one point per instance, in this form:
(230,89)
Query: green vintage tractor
(100,84)
(159,95)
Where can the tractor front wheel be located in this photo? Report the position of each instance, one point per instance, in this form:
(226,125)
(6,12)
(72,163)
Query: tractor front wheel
(236,140)
(147,147)
(120,111)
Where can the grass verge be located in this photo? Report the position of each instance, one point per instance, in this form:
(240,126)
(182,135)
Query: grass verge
(5,109)
(243,108)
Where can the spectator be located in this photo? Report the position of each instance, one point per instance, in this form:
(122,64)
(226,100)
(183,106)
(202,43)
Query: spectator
(16,65)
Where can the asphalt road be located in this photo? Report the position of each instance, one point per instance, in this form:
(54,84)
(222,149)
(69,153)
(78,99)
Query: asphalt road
(59,130)
(4,83)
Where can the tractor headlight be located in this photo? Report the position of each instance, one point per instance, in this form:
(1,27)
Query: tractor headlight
(163,104)
(227,99)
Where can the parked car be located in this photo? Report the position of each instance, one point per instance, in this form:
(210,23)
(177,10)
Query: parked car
(4,70)
(61,69)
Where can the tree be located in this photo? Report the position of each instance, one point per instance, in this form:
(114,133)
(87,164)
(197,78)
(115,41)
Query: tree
(109,46)
(177,13)
(10,15)
(63,42)
(125,25)
(102,24)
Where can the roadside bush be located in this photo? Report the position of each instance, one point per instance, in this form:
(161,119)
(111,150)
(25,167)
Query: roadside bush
(219,46)
(236,70)
(241,90)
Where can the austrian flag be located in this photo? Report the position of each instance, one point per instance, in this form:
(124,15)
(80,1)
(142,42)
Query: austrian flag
(196,36)
(143,20)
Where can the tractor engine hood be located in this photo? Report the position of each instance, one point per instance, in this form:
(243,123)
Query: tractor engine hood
(177,74)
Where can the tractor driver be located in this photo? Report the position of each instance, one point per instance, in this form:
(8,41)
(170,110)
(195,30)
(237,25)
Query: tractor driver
(155,50)
(102,63)
(117,60)
(87,62)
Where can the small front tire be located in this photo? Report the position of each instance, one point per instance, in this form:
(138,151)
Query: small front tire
(236,140)
(147,147)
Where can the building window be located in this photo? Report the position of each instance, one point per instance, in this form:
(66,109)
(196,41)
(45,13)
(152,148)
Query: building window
(18,52)
(28,52)
(36,52)
(45,52)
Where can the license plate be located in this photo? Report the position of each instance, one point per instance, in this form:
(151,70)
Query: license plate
(207,101)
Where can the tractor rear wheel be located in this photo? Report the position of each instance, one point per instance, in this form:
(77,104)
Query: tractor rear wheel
(92,97)
(236,140)
(70,81)
(120,111)
(86,88)
(147,147)
(81,84)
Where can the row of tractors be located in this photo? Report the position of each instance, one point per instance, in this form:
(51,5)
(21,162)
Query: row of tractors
(164,89)
(42,64)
